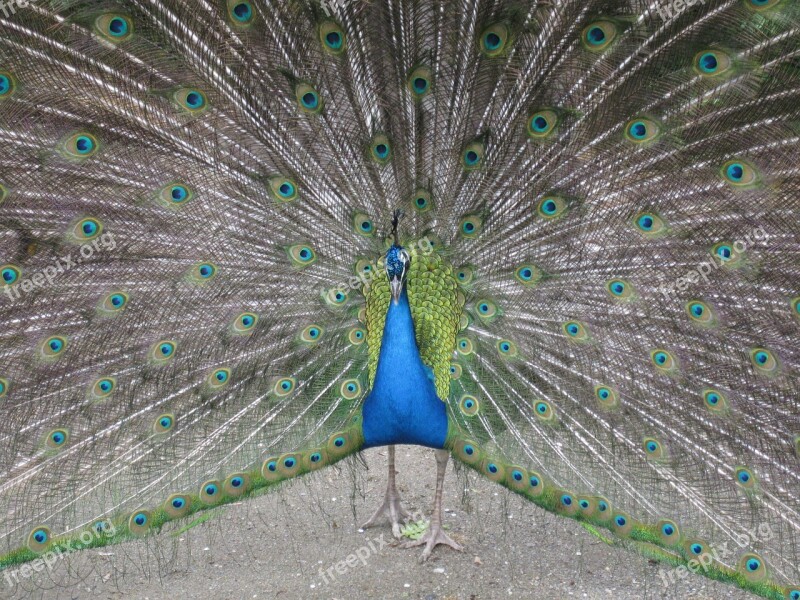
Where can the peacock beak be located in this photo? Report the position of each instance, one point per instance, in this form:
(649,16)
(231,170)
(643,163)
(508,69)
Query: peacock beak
(396,284)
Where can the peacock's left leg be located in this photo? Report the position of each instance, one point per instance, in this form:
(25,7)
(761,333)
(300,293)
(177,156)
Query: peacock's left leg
(391,506)
(435,534)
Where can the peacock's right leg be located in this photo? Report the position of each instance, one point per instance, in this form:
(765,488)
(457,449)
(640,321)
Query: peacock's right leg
(391,506)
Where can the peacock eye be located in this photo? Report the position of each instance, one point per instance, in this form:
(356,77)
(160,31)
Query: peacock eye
(599,35)
(191,100)
(542,123)
(80,146)
(419,81)
(115,28)
(332,37)
(10,274)
(642,130)
(308,99)
(6,84)
(494,39)
(711,63)
(241,13)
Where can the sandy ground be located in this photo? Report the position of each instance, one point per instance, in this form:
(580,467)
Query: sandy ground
(287,545)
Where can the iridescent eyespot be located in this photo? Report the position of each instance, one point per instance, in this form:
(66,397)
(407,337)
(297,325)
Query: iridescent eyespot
(745,477)
(380,149)
(241,13)
(715,401)
(464,346)
(486,309)
(793,594)
(455,370)
(619,289)
(710,63)
(177,506)
(653,448)
(420,81)
(421,201)
(86,229)
(203,272)
(470,226)
(507,348)
(663,360)
(575,331)
(701,313)
(542,123)
(57,438)
(283,189)
(622,524)
(335,297)
(469,405)
(363,225)
(753,568)
(7,85)
(308,99)
(763,360)
(472,157)
(191,100)
(39,539)
(163,351)
(301,255)
(607,396)
(139,522)
(164,423)
(642,130)
(175,194)
(210,492)
(763,5)
(339,444)
(357,336)
(599,35)
(3,387)
(284,386)
(551,207)
(244,323)
(115,28)
(80,145)
(350,389)
(543,410)
(219,378)
(312,334)
(332,37)
(236,484)
(528,275)
(728,254)
(465,275)
(669,532)
(10,274)
(103,388)
(739,173)
(649,224)
(494,39)
(53,346)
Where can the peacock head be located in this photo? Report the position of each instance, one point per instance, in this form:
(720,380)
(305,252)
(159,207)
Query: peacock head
(397,261)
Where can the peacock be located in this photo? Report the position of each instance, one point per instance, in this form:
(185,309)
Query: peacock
(556,241)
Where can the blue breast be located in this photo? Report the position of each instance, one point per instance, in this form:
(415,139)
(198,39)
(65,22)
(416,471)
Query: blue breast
(402,407)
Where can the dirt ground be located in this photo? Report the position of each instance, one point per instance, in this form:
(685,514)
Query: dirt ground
(296,544)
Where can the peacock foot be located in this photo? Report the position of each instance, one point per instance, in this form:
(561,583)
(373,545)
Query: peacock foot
(434,536)
(392,510)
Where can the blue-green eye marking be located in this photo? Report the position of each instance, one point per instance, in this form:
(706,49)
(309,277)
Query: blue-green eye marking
(53,346)
(58,438)
(708,62)
(178,194)
(117,27)
(195,100)
(332,37)
(638,130)
(84,145)
(310,100)
(6,85)
(10,274)
(595,36)
(241,12)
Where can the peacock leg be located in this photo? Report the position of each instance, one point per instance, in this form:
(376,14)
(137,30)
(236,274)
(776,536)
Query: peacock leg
(435,535)
(391,506)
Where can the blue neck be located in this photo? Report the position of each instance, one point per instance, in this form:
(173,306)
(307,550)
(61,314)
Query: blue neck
(403,407)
